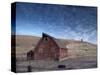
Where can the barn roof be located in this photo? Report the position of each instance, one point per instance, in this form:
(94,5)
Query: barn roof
(60,42)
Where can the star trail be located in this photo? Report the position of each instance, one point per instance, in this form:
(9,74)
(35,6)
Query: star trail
(60,21)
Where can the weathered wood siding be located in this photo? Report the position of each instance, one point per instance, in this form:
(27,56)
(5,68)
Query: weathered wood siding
(63,52)
(46,49)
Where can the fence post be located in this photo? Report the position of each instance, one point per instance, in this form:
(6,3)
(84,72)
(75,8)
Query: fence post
(29,68)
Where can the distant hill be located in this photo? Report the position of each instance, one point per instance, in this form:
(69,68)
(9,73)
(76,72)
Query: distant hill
(76,48)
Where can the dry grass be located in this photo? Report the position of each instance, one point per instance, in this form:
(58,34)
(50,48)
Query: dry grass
(76,48)
(80,55)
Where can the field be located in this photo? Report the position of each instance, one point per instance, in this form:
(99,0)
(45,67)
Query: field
(81,55)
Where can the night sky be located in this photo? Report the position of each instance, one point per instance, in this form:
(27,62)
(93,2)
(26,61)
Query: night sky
(59,21)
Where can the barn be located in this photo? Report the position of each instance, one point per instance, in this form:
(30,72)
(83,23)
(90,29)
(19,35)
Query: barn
(49,48)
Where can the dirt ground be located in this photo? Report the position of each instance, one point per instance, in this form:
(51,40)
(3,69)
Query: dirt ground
(41,65)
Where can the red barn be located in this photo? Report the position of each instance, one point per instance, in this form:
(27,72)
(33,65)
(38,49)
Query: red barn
(50,48)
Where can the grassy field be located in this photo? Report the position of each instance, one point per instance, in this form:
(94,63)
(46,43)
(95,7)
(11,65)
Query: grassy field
(76,48)
(81,55)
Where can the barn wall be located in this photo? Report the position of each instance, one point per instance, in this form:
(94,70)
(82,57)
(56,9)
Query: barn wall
(63,52)
(46,50)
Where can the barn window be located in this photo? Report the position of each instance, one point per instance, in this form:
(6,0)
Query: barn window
(45,38)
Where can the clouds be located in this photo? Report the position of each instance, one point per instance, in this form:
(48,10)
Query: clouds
(60,21)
